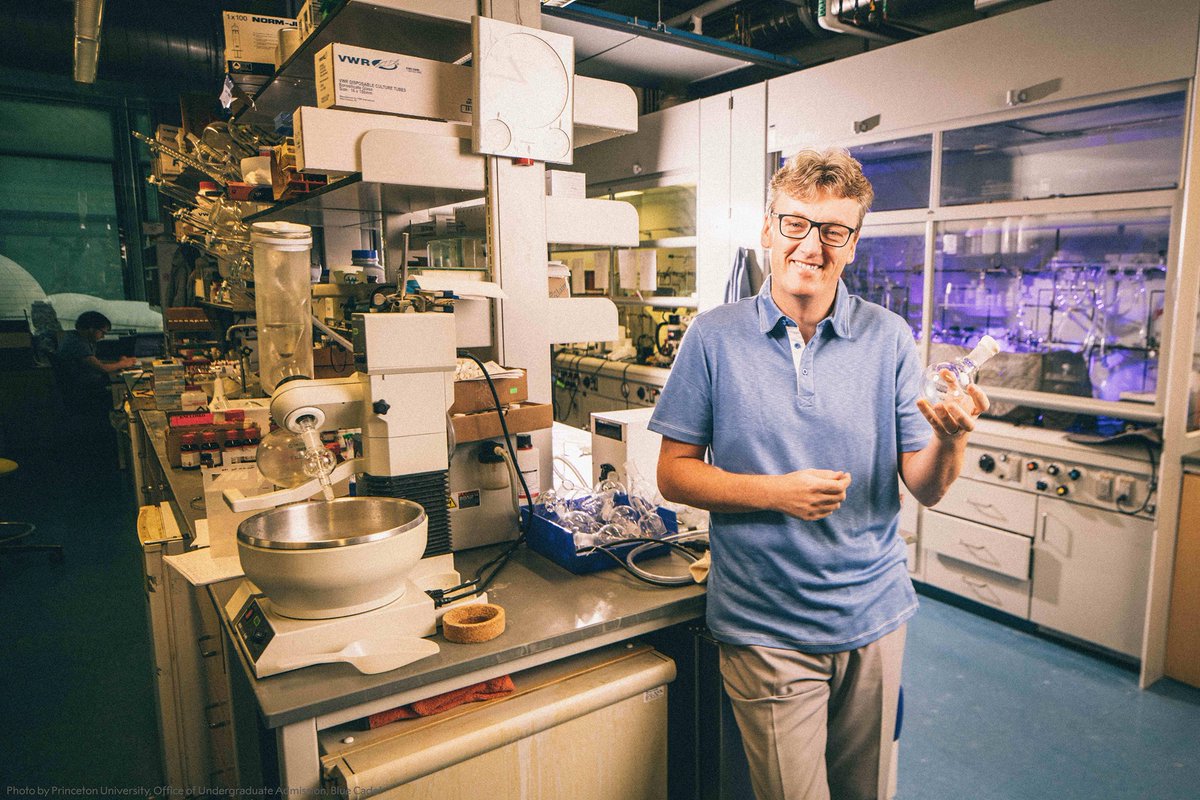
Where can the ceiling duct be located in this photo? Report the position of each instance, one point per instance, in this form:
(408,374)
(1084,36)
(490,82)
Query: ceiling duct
(87,38)
(696,15)
(862,18)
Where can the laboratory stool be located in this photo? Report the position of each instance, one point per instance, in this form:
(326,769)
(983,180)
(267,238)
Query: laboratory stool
(11,532)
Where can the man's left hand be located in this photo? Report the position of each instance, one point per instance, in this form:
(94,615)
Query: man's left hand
(954,418)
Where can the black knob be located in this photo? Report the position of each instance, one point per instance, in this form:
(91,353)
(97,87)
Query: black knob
(380,407)
(1053,469)
(1062,491)
(987,463)
(1042,486)
(1074,474)
(641,393)
(1031,466)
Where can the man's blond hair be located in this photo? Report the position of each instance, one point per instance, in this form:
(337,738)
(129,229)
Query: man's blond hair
(810,173)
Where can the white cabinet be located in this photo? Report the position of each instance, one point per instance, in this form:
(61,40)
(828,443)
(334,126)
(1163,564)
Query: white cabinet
(1090,574)
(997,506)
(666,141)
(984,564)
(731,188)
(1054,51)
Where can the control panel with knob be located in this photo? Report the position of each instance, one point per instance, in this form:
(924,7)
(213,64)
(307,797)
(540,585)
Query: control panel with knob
(1074,473)
(1062,491)
(987,463)
(1041,486)
(1053,469)
(1032,466)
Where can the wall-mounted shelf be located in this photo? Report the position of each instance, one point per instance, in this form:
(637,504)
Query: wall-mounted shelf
(353,194)
(657,301)
(435,29)
(592,223)
(582,319)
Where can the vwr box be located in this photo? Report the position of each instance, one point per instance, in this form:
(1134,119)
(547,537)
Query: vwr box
(358,79)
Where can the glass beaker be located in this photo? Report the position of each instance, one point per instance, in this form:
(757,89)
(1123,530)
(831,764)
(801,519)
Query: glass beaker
(282,301)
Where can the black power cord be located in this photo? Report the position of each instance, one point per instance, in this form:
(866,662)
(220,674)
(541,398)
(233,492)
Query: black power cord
(1151,487)
(481,581)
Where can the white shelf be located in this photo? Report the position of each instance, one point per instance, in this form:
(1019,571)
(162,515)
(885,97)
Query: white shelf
(658,301)
(367,199)
(593,223)
(434,29)
(582,319)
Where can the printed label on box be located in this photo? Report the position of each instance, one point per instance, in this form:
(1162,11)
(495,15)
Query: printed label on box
(250,42)
(356,78)
(468,499)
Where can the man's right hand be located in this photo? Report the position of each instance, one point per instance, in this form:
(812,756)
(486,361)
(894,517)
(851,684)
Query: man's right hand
(810,493)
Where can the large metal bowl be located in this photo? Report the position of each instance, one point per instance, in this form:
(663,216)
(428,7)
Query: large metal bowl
(319,560)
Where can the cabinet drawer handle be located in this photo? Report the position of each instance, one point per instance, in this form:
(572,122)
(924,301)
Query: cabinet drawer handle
(976,584)
(979,551)
(972,501)
(215,725)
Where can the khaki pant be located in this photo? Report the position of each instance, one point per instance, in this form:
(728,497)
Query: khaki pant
(816,727)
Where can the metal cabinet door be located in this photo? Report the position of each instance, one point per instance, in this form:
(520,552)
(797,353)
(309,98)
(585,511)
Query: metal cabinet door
(1090,571)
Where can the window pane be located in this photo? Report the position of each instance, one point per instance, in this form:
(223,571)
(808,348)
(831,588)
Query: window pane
(55,130)
(58,220)
(1136,145)
(1076,300)
(888,269)
(899,171)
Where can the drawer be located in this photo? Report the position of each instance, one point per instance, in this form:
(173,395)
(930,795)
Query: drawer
(979,545)
(996,591)
(997,506)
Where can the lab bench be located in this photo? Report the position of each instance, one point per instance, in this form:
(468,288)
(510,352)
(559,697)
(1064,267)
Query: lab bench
(551,615)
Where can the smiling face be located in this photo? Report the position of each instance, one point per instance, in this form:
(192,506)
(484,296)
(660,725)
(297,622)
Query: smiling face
(805,272)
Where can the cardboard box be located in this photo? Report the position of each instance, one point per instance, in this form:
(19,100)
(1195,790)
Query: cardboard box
(250,42)
(560,183)
(474,396)
(309,18)
(357,79)
(521,418)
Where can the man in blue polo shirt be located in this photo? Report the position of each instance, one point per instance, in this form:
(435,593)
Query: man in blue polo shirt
(806,397)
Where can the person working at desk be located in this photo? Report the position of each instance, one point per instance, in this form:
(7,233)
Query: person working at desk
(84,377)
(806,398)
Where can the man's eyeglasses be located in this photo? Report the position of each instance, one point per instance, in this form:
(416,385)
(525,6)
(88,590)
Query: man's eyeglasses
(794,226)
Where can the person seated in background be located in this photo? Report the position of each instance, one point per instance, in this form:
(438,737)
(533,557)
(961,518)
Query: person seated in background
(84,378)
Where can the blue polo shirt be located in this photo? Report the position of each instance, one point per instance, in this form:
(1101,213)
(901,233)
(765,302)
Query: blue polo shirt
(745,384)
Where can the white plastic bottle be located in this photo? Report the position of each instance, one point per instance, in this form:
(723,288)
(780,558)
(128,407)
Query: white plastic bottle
(528,461)
(963,369)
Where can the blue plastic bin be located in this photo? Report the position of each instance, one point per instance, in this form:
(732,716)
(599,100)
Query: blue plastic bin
(557,544)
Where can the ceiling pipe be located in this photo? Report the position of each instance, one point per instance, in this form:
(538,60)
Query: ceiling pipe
(87,38)
(696,15)
(830,21)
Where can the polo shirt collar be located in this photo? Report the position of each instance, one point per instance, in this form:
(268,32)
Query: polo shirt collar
(769,315)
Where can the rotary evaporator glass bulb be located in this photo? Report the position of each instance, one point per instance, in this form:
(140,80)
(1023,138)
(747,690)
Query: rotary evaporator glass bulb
(281,459)
(964,370)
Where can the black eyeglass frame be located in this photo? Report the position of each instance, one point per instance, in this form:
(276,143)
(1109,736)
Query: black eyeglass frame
(819,226)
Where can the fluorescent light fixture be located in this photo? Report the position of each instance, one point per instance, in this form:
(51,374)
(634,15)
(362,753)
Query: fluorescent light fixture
(557,3)
(87,38)
(620,195)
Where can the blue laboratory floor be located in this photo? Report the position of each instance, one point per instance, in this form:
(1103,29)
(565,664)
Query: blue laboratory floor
(994,713)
